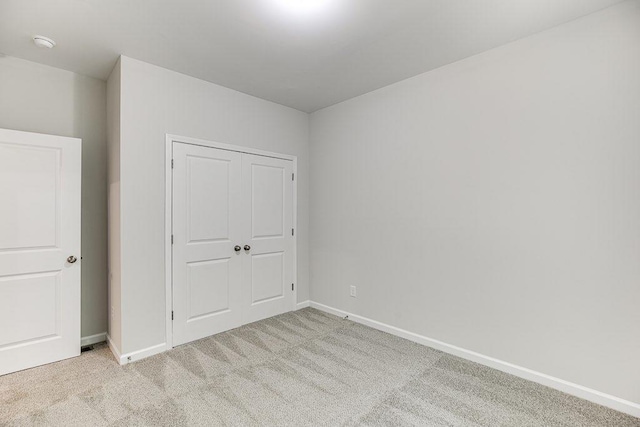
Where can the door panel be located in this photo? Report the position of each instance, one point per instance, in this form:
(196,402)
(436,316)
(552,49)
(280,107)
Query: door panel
(208,199)
(268,207)
(267,276)
(33,221)
(208,284)
(206,227)
(40,182)
(33,297)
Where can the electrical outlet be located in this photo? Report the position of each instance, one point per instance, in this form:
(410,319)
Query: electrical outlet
(353,291)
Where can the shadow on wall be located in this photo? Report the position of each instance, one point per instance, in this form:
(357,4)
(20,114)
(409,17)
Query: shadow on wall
(89,123)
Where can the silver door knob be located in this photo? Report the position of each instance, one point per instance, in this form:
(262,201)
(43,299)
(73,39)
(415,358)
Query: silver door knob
(247,247)
(71,259)
(237,248)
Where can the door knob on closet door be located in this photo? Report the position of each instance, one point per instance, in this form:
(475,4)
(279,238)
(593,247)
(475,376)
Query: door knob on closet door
(71,259)
(237,248)
(247,247)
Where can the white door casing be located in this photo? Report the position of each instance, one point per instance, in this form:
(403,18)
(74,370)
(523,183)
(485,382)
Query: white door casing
(207,218)
(40,183)
(222,200)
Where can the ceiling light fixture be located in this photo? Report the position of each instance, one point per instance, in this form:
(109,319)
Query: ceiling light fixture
(42,41)
(303,7)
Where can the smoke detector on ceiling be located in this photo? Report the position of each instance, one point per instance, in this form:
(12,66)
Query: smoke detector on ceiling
(42,41)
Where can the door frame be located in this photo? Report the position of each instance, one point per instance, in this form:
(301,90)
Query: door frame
(168,225)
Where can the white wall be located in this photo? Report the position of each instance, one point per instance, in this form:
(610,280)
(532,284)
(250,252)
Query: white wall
(114,304)
(38,98)
(154,102)
(494,203)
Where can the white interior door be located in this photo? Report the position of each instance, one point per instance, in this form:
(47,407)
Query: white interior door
(268,233)
(40,181)
(206,230)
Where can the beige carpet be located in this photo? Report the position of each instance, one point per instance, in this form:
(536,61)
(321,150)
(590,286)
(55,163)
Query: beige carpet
(297,369)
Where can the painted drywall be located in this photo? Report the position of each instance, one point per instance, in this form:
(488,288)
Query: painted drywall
(493,204)
(38,98)
(114,304)
(154,102)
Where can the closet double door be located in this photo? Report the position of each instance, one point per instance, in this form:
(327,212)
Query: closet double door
(233,243)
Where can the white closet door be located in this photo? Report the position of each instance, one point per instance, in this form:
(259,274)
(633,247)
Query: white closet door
(268,217)
(207,216)
(40,180)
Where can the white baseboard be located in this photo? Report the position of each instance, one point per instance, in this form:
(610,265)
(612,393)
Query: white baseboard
(303,304)
(586,393)
(141,354)
(113,348)
(123,359)
(93,339)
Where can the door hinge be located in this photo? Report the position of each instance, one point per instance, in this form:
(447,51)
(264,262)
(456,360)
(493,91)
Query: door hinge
(292,176)
(292,232)
(171,314)
(171,163)
(172,239)
(292,286)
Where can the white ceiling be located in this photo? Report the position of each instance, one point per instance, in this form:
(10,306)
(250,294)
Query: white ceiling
(303,60)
